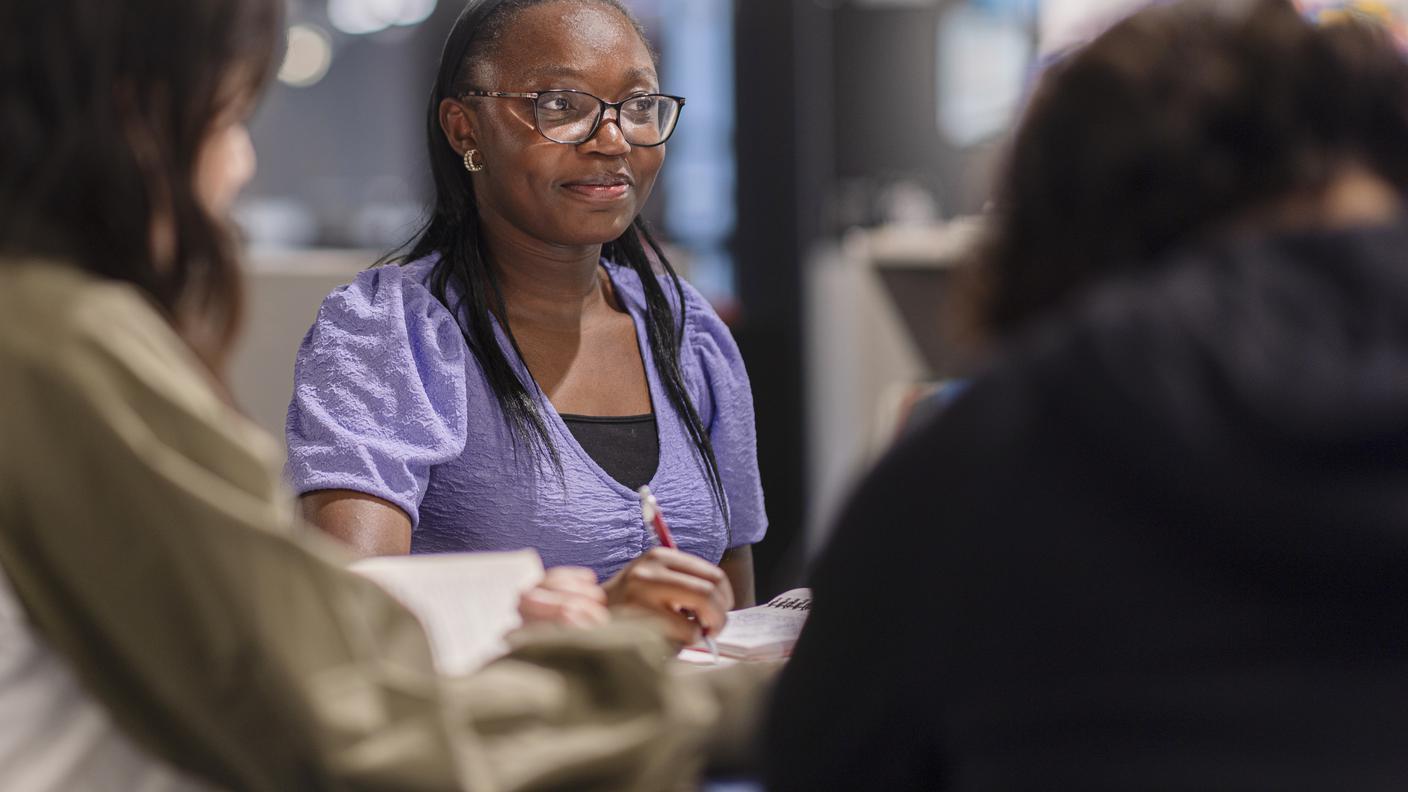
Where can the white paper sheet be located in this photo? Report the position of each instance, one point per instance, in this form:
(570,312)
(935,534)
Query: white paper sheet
(467,602)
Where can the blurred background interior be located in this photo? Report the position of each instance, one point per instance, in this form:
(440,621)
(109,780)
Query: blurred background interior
(831,167)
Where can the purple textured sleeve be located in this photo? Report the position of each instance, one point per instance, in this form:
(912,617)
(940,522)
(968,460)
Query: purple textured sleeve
(379,391)
(725,404)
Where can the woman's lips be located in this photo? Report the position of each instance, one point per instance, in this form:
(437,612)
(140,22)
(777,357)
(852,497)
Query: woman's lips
(599,192)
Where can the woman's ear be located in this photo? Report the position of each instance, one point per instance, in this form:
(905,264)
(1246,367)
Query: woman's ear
(457,122)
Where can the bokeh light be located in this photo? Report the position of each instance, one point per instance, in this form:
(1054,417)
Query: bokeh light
(308,57)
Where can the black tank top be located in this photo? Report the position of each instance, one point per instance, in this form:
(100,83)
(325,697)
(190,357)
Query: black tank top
(626,447)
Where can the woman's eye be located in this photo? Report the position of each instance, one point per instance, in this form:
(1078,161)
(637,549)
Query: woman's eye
(555,104)
(642,106)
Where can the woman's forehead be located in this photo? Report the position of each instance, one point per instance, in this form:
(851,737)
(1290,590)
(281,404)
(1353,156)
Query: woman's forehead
(579,42)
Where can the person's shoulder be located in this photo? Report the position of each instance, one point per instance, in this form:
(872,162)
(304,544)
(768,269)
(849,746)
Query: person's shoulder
(388,294)
(705,332)
(54,313)
(701,318)
(415,272)
(63,329)
(384,328)
(628,282)
(699,311)
(391,281)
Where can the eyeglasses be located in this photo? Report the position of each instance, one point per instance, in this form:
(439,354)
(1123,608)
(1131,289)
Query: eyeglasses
(572,117)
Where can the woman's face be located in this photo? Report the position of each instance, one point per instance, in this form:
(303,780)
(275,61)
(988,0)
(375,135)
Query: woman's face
(558,193)
(224,165)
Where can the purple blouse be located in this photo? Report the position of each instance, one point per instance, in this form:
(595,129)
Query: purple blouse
(388,400)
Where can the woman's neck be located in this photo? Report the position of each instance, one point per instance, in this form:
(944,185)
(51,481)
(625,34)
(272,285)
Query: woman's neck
(548,286)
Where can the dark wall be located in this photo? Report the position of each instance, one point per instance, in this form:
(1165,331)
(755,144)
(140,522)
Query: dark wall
(885,75)
(783,148)
(834,98)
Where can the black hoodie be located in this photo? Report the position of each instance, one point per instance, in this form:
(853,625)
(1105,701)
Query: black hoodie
(1162,545)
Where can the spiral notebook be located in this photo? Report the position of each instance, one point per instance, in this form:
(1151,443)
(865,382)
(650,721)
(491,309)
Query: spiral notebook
(765,632)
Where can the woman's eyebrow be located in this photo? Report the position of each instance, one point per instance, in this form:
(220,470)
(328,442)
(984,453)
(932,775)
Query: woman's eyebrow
(554,71)
(638,75)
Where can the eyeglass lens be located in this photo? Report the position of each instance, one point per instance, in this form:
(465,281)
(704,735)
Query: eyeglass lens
(570,117)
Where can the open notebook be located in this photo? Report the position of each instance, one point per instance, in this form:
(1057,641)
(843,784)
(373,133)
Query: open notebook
(467,602)
(763,632)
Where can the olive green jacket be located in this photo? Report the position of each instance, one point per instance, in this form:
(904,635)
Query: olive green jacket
(149,538)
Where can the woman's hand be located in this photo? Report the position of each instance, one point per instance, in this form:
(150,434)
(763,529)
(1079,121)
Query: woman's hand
(566,595)
(666,582)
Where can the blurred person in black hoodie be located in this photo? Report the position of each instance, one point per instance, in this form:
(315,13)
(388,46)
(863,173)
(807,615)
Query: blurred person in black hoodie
(1162,540)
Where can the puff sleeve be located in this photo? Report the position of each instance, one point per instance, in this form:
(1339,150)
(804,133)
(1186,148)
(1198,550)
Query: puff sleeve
(379,391)
(724,398)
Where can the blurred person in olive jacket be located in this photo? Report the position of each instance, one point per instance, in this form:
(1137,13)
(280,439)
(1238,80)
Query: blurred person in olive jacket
(165,621)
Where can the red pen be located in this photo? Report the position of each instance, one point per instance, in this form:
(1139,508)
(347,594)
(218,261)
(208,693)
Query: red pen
(651,515)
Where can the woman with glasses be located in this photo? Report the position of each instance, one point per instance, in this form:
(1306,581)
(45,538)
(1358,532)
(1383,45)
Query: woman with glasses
(533,360)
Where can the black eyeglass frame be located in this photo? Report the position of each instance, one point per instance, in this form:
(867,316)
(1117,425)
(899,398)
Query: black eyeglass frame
(601,107)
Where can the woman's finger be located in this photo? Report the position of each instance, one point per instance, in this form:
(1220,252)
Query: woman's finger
(676,626)
(579,612)
(674,590)
(574,580)
(544,605)
(684,562)
(668,597)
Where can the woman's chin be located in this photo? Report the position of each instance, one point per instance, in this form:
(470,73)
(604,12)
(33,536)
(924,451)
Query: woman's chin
(596,233)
